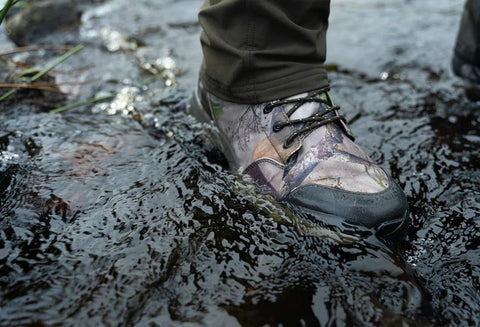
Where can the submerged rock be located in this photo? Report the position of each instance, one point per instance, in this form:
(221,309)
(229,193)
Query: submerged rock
(40,19)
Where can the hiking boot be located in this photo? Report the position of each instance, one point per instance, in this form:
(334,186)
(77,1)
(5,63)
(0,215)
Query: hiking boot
(301,151)
(465,70)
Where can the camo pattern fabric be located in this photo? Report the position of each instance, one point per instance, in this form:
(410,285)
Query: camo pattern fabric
(466,70)
(327,155)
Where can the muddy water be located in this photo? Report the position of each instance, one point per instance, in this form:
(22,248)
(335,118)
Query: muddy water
(119,213)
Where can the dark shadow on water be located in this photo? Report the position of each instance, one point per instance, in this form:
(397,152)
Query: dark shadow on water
(123,215)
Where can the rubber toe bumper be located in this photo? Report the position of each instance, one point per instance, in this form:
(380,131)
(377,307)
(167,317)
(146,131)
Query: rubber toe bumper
(384,210)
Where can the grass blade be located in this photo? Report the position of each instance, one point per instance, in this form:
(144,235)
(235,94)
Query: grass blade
(81,103)
(3,12)
(46,70)
(68,54)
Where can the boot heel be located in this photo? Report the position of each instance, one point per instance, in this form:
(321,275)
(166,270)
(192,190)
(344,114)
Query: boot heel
(213,135)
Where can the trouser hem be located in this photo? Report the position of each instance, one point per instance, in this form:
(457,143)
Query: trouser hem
(467,59)
(279,88)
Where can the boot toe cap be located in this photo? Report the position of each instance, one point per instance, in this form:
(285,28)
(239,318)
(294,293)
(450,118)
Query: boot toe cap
(381,210)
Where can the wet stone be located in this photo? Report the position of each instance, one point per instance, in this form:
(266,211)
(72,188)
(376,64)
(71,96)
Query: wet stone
(42,18)
(121,212)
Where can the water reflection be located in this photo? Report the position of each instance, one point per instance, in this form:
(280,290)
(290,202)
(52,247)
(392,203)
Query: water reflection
(121,213)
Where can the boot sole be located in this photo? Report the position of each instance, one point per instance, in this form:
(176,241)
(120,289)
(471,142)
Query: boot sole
(391,232)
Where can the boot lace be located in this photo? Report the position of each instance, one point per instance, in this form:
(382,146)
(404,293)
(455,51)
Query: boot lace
(308,124)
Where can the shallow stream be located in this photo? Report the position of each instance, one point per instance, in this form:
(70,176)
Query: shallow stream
(119,214)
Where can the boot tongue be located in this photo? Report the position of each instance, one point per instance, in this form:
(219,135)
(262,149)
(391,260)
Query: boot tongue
(310,108)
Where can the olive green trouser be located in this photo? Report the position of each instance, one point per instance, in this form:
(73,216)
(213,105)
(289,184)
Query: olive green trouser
(261,50)
(468,39)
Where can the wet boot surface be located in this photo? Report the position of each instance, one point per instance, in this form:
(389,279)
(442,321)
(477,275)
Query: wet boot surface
(121,213)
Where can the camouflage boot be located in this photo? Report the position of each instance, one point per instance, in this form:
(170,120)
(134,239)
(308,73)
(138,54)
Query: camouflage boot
(300,151)
(465,69)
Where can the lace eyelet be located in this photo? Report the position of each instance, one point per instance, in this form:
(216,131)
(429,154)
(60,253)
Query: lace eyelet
(277,127)
(267,110)
(288,143)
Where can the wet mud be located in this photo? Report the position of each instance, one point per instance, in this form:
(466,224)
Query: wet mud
(119,213)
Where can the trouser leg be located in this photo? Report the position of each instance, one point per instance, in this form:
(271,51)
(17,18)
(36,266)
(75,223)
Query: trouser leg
(260,50)
(468,40)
